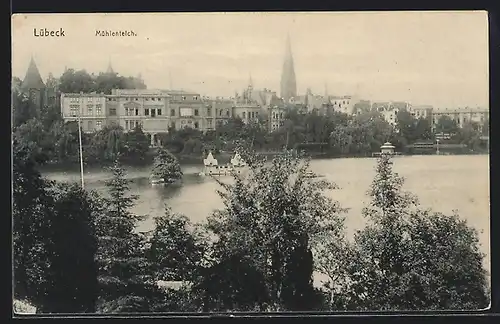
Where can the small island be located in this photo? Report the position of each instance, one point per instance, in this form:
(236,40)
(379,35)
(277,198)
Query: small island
(166,168)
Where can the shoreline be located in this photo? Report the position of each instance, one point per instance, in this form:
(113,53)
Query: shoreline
(195,161)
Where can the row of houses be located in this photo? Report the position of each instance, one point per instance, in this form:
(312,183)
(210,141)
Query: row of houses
(158,111)
(461,115)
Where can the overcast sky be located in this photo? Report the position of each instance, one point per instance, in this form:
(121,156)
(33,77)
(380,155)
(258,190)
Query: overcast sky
(422,57)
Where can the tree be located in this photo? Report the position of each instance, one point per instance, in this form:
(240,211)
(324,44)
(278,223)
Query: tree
(271,221)
(72,81)
(124,283)
(65,141)
(108,143)
(412,259)
(23,109)
(470,135)
(73,269)
(446,125)
(176,249)
(332,259)
(31,210)
(166,166)
(32,137)
(423,129)
(136,143)
(47,220)
(407,126)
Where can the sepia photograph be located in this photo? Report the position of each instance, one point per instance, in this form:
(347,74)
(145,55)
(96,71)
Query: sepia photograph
(250,162)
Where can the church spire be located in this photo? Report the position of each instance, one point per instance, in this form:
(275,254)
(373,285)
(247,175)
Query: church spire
(288,82)
(32,80)
(110,68)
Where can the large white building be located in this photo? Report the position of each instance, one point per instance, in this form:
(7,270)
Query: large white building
(155,110)
(462,115)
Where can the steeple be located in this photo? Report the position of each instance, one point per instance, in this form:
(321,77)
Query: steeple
(250,81)
(32,80)
(110,68)
(288,82)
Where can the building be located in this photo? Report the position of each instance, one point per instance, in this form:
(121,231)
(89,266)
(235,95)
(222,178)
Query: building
(343,104)
(33,87)
(220,108)
(90,108)
(390,110)
(156,111)
(246,108)
(288,81)
(276,117)
(462,115)
(421,111)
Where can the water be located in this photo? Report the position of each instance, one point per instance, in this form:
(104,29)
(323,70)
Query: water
(443,183)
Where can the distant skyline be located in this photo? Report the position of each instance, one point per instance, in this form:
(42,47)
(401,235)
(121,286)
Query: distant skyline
(437,58)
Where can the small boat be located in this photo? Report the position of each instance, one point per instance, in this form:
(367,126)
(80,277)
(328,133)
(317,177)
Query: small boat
(155,180)
(311,175)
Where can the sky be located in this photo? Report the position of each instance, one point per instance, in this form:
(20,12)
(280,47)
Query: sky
(437,58)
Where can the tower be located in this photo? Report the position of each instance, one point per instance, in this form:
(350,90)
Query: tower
(34,87)
(250,88)
(110,68)
(288,82)
(32,79)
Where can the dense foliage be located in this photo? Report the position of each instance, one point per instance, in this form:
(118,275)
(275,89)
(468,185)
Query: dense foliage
(166,166)
(407,258)
(257,253)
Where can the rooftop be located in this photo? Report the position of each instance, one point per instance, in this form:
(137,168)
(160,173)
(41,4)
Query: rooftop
(32,80)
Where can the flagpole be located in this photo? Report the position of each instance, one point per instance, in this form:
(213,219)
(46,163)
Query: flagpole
(80,144)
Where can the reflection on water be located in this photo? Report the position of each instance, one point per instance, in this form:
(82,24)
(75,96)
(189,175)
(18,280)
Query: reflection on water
(443,183)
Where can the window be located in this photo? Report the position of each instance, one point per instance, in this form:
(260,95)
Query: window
(89,109)
(196,112)
(195,97)
(183,97)
(146,112)
(136,99)
(281,115)
(158,112)
(128,112)
(220,112)
(91,125)
(147,99)
(98,109)
(196,125)
(209,111)
(98,124)
(112,111)
(227,113)
(127,124)
(172,112)
(244,114)
(137,111)
(209,123)
(73,111)
(153,113)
